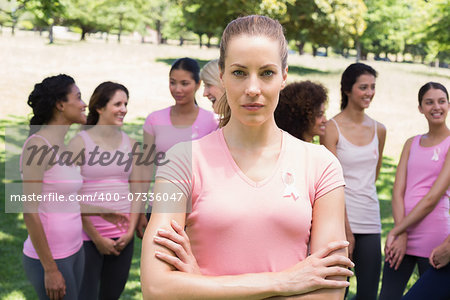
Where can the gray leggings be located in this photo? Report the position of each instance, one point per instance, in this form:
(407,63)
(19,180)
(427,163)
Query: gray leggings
(70,267)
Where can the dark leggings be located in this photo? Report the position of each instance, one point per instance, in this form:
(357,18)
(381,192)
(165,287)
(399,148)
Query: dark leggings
(70,267)
(434,284)
(105,276)
(367,259)
(394,282)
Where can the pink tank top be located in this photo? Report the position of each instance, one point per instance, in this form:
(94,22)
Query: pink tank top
(106,185)
(61,220)
(424,166)
(360,166)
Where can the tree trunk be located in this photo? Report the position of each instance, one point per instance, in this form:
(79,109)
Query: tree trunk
(120,28)
(158,32)
(50,34)
(83,34)
(326,51)
(208,45)
(314,49)
(358,50)
(300,47)
(200,39)
(347,55)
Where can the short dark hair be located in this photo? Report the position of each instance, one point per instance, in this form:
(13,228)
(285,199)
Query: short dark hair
(45,96)
(298,107)
(101,96)
(431,85)
(349,78)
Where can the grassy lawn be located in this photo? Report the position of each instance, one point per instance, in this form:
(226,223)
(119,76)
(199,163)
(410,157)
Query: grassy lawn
(144,70)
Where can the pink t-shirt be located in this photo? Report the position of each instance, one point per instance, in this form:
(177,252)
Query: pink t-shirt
(107,185)
(61,220)
(159,125)
(424,166)
(240,226)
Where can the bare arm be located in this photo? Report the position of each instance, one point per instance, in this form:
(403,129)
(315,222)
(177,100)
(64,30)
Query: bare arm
(330,140)
(398,205)
(161,280)
(146,178)
(328,225)
(395,247)
(136,188)
(381,132)
(429,201)
(148,171)
(331,137)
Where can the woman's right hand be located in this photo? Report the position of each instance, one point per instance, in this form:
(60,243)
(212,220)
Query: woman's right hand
(106,246)
(178,242)
(314,272)
(55,285)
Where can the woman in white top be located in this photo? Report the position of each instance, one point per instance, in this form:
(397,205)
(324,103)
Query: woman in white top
(358,141)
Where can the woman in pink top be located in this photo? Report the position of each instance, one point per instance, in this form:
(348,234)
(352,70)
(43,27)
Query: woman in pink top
(108,183)
(255,201)
(53,254)
(183,121)
(420,202)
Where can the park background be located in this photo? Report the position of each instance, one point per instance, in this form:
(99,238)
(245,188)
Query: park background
(134,42)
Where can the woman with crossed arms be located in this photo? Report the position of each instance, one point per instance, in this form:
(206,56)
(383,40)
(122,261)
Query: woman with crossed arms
(258,196)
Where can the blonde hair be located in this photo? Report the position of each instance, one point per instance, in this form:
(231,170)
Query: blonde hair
(210,73)
(253,25)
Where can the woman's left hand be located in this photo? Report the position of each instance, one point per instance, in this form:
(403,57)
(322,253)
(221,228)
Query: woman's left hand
(123,241)
(397,250)
(178,242)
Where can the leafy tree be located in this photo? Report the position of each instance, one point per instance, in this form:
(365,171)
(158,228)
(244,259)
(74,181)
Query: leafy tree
(11,10)
(438,35)
(88,15)
(154,14)
(47,12)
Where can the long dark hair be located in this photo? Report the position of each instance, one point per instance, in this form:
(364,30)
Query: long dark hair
(349,78)
(45,96)
(101,96)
